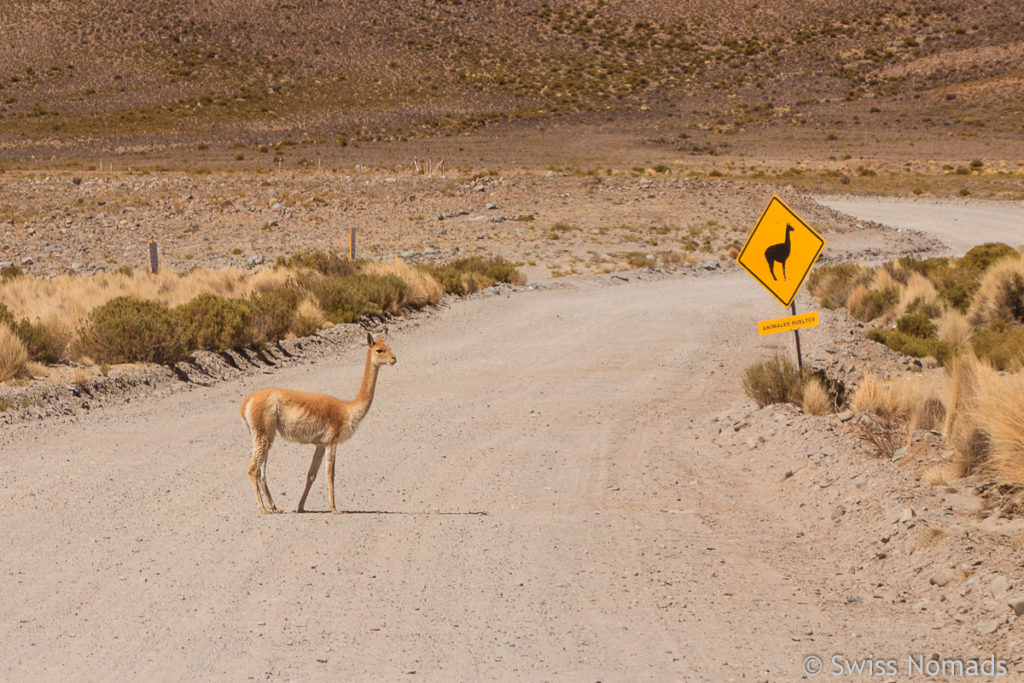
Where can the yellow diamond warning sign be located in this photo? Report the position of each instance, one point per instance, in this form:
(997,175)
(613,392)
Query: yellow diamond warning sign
(780,251)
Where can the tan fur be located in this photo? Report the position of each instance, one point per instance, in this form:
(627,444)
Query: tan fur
(308,418)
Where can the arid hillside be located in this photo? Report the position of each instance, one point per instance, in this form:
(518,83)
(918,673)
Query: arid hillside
(91,77)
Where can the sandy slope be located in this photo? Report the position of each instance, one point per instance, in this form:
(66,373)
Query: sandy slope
(536,494)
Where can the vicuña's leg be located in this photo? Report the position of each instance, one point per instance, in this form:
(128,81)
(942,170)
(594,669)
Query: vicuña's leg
(318,457)
(330,476)
(266,491)
(259,457)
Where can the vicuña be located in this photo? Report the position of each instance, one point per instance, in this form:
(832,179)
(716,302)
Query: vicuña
(308,418)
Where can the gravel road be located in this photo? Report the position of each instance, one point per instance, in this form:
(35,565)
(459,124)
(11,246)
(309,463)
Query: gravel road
(961,224)
(534,495)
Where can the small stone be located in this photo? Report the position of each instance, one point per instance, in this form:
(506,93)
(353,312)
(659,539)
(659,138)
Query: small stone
(899,453)
(1000,587)
(907,515)
(941,578)
(845,416)
(986,628)
(491,205)
(1018,607)
(838,512)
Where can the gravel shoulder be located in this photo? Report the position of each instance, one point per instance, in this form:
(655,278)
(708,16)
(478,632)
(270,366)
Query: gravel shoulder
(562,483)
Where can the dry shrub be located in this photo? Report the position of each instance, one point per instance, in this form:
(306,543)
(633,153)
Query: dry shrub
(126,330)
(883,435)
(868,303)
(875,397)
(816,400)
(308,319)
(913,400)
(833,284)
(1000,294)
(775,380)
(216,323)
(955,329)
(13,355)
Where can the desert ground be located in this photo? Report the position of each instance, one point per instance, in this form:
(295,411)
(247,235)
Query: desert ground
(558,480)
(561,482)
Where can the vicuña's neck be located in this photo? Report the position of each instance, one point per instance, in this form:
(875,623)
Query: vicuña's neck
(365,397)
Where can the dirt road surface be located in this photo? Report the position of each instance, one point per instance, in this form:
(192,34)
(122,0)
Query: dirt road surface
(537,493)
(961,224)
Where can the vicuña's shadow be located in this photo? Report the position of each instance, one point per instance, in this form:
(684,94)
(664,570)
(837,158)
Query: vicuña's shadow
(413,513)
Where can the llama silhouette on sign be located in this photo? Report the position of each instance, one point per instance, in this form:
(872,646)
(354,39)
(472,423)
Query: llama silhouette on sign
(779,253)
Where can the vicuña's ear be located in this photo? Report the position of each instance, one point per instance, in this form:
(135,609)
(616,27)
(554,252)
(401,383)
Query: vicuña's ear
(369,339)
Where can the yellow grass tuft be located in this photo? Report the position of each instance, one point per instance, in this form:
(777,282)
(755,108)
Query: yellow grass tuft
(1000,295)
(816,400)
(1000,413)
(911,401)
(917,287)
(955,329)
(883,279)
(13,355)
(424,289)
(308,319)
(969,379)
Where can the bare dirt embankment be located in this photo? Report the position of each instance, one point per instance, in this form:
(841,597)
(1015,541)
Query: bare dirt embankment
(567,482)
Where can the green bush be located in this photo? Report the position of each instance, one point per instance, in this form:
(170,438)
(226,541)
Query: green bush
(216,323)
(10,272)
(325,263)
(916,324)
(775,380)
(273,313)
(1000,343)
(912,345)
(923,306)
(957,280)
(979,258)
(127,329)
(832,284)
(875,303)
(45,343)
(467,275)
(346,299)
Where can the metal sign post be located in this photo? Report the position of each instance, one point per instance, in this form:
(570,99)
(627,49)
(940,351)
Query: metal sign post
(796,333)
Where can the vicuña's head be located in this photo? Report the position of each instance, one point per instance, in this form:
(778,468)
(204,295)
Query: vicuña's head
(789,228)
(380,353)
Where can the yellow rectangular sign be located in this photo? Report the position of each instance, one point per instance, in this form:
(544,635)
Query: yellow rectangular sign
(792,322)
